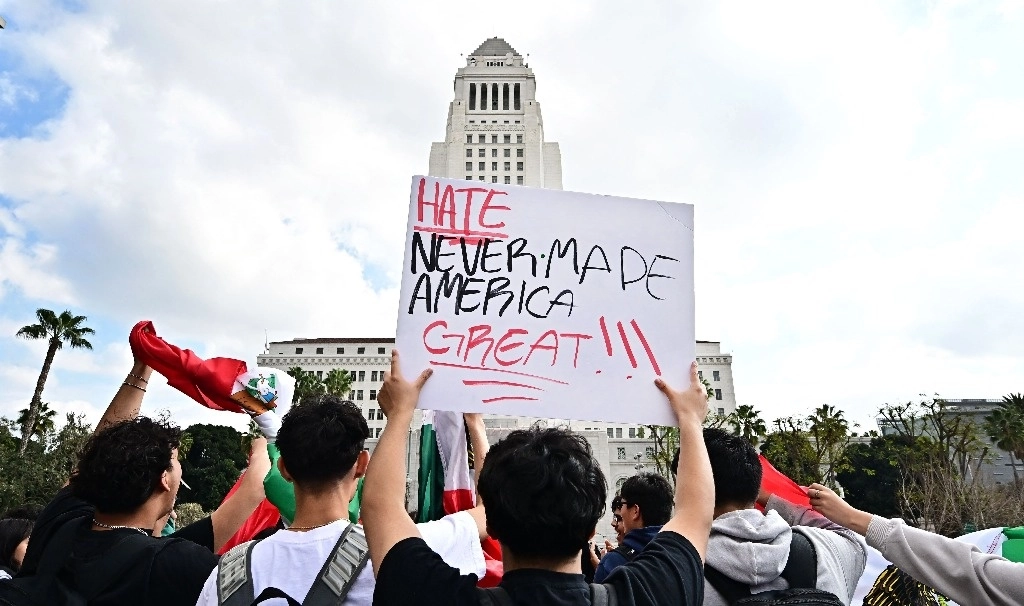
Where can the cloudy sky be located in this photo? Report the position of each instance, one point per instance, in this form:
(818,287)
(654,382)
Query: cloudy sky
(226,168)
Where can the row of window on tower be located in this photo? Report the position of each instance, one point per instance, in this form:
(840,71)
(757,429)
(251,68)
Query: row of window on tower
(494,97)
(494,139)
(494,179)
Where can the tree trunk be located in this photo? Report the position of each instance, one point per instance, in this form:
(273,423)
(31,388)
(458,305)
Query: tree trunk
(37,397)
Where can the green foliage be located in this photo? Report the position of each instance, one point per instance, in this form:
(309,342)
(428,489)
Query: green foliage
(187,513)
(792,454)
(43,422)
(212,464)
(874,475)
(746,421)
(337,382)
(1005,427)
(666,442)
(829,430)
(306,384)
(45,465)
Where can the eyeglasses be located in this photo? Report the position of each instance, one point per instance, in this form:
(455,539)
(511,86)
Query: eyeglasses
(616,518)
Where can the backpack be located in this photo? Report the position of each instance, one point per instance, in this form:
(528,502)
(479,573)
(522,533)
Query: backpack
(54,585)
(332,584)
(601,594)
(801,572)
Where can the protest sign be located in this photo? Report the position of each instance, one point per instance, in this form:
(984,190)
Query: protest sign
(545,303)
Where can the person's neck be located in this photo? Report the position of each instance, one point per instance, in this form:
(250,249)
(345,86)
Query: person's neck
(511,562)
(322,507)
(144,518)
(730,507)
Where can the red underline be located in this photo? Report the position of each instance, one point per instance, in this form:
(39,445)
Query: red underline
(511,372)
(492,400)
(460,232)
(468,382)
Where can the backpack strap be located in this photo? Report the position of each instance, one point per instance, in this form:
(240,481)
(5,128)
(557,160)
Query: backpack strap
(729,589)
(801,569)
(234,576)
(494,596)
(603,594)
(341,569)
(626,552)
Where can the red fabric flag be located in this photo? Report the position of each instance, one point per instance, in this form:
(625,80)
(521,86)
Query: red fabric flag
(265,516)
(209,382)
(777,483)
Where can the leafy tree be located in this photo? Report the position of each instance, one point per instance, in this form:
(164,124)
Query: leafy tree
(213,463)
(829,430)
(306,384)
(666,441)
(746,421)
(57,330)
(1005,427)
(789,450)
(956,435)
(337,382)
(44,420)
(46,465)
(873,474)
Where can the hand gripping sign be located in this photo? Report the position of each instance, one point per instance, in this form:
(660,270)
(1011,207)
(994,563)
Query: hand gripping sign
(546,303)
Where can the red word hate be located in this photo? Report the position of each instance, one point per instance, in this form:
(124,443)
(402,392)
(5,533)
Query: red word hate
(469,212)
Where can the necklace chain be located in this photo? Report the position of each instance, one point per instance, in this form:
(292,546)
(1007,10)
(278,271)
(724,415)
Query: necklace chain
(314,527)
(109,527)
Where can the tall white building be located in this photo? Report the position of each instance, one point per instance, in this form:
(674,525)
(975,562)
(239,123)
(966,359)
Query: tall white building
(495,131)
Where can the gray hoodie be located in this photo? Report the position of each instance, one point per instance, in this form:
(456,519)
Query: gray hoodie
(956,569)
(752,548)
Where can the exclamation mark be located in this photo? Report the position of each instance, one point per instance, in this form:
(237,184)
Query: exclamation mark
(625,342)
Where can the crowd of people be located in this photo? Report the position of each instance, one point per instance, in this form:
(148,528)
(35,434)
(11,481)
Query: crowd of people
(714,538)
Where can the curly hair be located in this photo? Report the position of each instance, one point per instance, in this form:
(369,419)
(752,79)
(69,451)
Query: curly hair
(121,466)
(544,492)
(320,439)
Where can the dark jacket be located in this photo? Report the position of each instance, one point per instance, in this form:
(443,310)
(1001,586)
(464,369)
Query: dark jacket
(635,540)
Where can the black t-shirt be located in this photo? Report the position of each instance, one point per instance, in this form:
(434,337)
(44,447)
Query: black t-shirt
(669,571)
(174,576)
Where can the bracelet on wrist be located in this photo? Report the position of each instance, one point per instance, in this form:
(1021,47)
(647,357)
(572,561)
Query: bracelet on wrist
(135,386)
(135,376)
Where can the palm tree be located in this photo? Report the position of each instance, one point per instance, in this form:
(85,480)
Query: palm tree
(746,421)
(44,420)
(58,330)
(1005,427)
(338,382)
(829,428)
(306,384)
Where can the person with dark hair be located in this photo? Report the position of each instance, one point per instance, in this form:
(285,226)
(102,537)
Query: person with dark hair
(321,444)
(646,505)
(99,528)
(14,534)
(544,492)
(750,550)
(28,511)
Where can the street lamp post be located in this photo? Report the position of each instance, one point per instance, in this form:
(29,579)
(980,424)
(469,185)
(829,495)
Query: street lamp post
(638,465)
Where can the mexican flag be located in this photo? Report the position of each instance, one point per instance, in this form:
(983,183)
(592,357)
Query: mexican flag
(445,483)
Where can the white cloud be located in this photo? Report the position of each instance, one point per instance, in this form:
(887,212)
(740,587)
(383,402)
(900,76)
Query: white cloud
(223,170)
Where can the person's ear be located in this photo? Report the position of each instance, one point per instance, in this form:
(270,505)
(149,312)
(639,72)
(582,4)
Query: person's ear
(165,481)
(361,462)
(284,470)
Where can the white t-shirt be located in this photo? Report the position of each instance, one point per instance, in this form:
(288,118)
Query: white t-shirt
(291,561)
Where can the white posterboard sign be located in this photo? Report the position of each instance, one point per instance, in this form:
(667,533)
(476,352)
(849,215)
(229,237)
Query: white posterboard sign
(546,303)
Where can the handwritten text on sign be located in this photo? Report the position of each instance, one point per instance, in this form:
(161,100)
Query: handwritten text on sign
(546,303)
